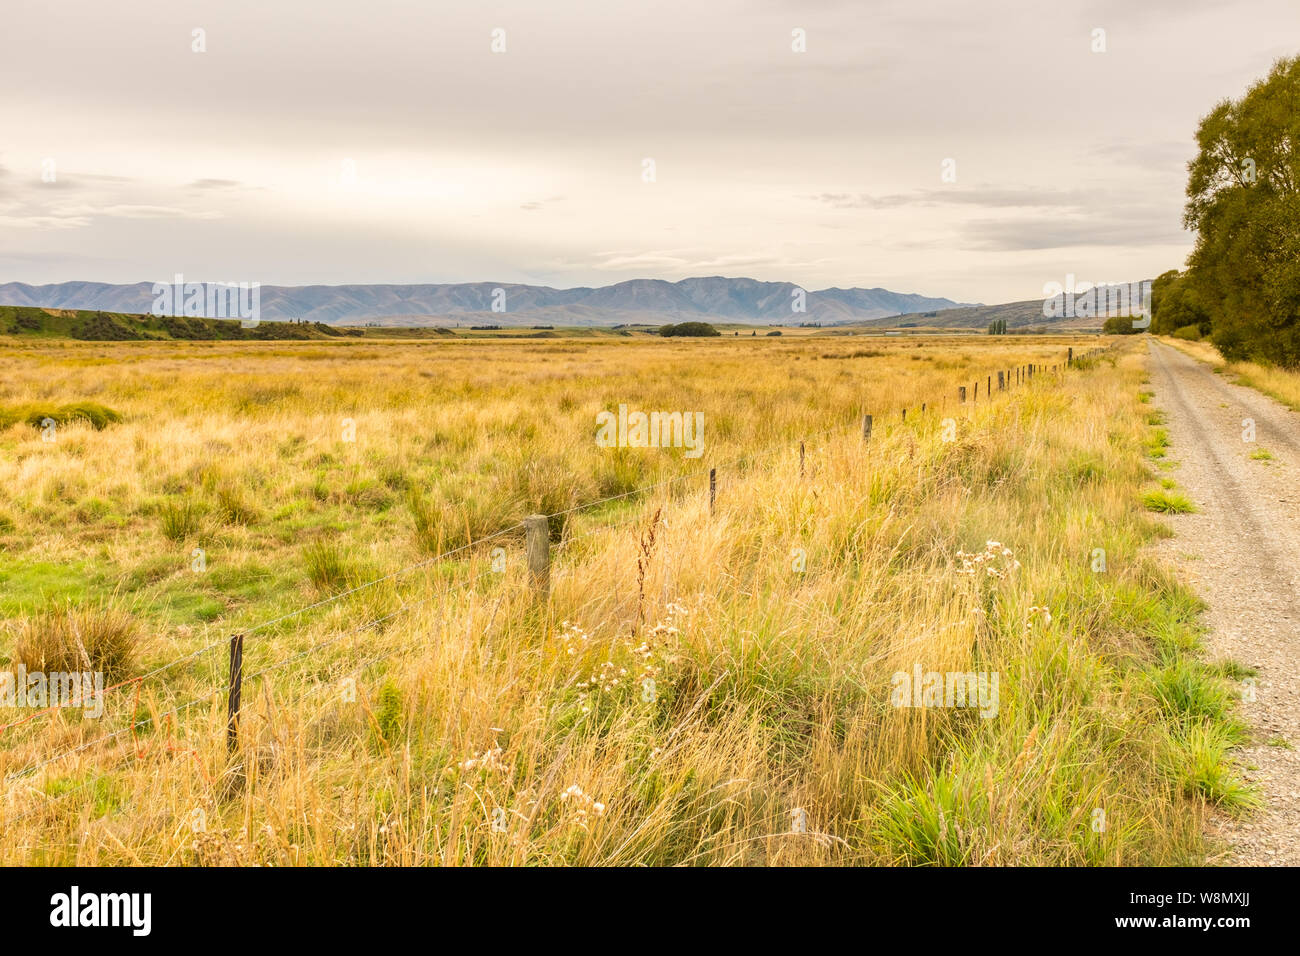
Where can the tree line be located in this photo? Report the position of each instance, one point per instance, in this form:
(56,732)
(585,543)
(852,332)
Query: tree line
(1241,285)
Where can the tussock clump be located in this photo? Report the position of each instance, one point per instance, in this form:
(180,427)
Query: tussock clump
(327,567)
(97,637)
(442,523)
(1167,502)
(93,414)
(179,519)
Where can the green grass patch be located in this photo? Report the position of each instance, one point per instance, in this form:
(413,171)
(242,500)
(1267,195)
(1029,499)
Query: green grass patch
(1167,501)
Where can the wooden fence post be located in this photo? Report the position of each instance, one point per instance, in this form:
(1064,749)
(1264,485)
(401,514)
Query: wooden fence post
(713,489)
(989,390)
(923,408)
(1002,382)
(537,545)
(961,394)
(905,414)
(801,459)
(233,689)
(866,428)
(1069,357)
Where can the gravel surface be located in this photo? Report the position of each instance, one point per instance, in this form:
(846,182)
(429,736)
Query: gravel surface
(1241,552)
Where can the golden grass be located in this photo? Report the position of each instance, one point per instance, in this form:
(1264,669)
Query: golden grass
(1279,383)
(698,688)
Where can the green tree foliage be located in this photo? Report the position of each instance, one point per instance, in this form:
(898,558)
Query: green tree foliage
(1174,305)
(1243,203)
(688,329)
(1120,325)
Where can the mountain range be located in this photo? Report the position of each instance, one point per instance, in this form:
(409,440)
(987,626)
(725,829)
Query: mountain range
(655,301)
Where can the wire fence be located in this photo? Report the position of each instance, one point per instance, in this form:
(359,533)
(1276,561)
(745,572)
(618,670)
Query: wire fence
(539,548)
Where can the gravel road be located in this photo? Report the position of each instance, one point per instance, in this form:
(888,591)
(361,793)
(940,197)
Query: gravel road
(1241,551)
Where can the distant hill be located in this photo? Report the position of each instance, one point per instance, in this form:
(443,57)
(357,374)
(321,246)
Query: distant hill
(655,301)
(1024,316)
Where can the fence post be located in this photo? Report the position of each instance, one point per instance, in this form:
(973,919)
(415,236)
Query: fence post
(801,459)
(989,390)
(866,428)
(1069,357)
(976,394)
(537,545)
(233,689)
(1002,382)
(713,488)
(961,394)
(905,414)
(923,408)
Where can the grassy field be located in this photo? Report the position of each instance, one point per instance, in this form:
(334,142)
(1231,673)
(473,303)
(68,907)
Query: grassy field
(698,688)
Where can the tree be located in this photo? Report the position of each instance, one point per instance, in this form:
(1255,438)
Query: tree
(1242,200)
(1119,325)
(1174,305)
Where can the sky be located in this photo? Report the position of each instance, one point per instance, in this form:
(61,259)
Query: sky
(970,150)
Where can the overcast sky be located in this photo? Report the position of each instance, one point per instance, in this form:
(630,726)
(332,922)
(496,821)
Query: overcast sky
(384,141)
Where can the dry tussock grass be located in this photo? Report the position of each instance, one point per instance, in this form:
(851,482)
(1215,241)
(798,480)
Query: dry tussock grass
(684,694)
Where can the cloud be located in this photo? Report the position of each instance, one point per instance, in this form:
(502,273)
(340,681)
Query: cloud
(1162,156)
(693,262)
(45,222)
(1020,235)
(215,184)
(993,197)
(130,211)
(536,204)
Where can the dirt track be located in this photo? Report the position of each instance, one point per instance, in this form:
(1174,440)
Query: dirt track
(1241,551)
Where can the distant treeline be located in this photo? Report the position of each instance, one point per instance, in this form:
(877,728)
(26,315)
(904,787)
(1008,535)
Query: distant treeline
(694,329)
(94,326)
